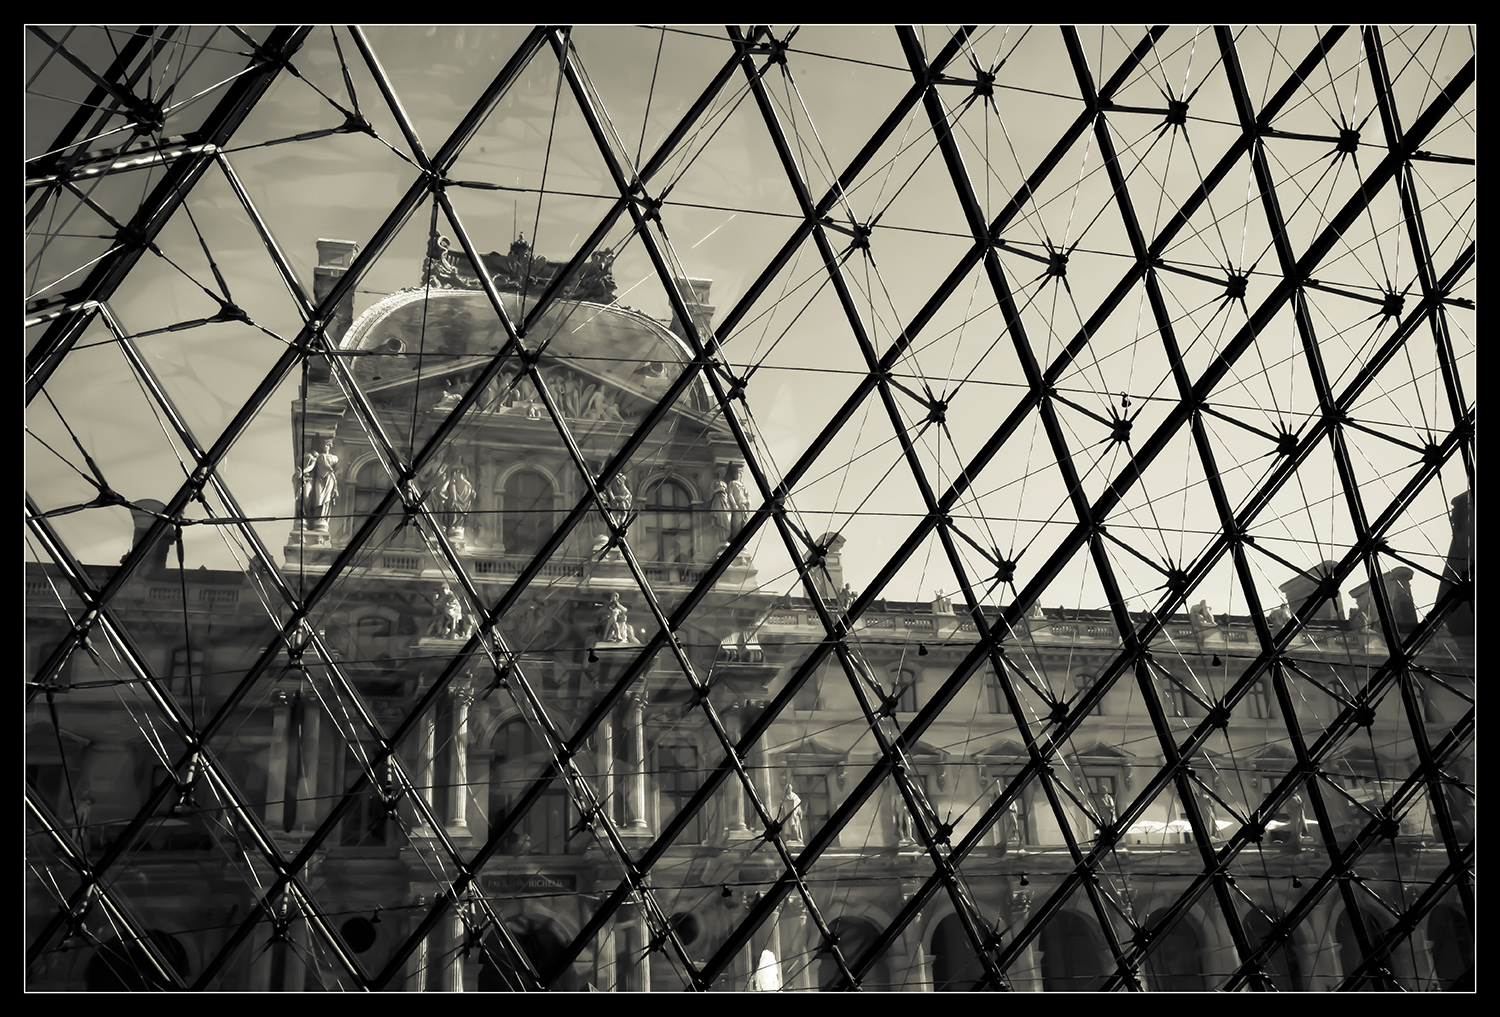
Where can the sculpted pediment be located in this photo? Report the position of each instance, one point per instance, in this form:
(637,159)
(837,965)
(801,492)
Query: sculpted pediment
(600,363)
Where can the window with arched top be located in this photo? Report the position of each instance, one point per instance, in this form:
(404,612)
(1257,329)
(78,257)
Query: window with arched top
(854,936)
(520,755)
(1284,963)
(526,509)
(667,524)
(371,482)
(956,966)
(1075,957)
(1175,963)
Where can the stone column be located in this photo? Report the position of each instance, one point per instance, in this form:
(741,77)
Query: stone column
(632,936)
(1025,972)
(294,968)
(416,964)
(799,967)
(604,744)
(918,974)
(310,717)
(604,959)
(426,750)
(281,719)
(757,764)
(458,798)
(635,722)
(1219,954)
(734,791)
(458,932)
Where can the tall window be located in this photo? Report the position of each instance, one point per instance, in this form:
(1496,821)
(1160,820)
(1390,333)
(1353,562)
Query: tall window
(1024,831)
(906,688)
(519,757)
(527,497)
(998,703)
(372,635)
(811,776)
(678,780)
(371,482)
(667,525)
(365,824)
(1081,684)
(1258,702)
(187,671)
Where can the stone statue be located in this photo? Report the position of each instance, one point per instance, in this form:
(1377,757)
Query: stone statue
(438,269)
(1358,622)
(613,627)
(900,818)
(1007,830)
(1201,617)
(790,814)
(1277,618)
(617,494)
(448,615)
(1107,811)
(455,496)
(595,403)
(317,487)
(739,498)
(450,398)
(83,803)
(1298,810)
(721,512)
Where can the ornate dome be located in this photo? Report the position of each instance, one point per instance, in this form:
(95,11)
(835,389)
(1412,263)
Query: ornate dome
(446,328)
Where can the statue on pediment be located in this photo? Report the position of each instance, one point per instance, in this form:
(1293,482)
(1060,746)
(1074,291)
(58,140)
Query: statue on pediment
(721,512)
(317,486)
(790,814)
(455,496)
(739,498)
(448,615)
(438,269)
(451,397)
(614,626)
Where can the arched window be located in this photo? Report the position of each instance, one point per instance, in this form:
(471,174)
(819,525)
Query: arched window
(955,965)
(1016,828)
(1452,941)
(519,757)
(527,512)
(1073,954)
(667,525)
(1175,963)
(1282,965)
(855,936)
(1081,685)
(541,941)
(371,482)
(678,779)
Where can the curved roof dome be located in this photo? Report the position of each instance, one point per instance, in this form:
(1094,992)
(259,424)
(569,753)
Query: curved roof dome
(625,348)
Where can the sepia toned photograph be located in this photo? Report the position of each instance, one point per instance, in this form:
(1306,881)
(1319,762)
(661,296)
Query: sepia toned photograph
(750,508)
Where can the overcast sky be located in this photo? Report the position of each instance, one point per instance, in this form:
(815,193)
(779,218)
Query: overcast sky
(730,208)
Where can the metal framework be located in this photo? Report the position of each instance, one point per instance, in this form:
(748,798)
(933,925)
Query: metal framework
(954,84)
